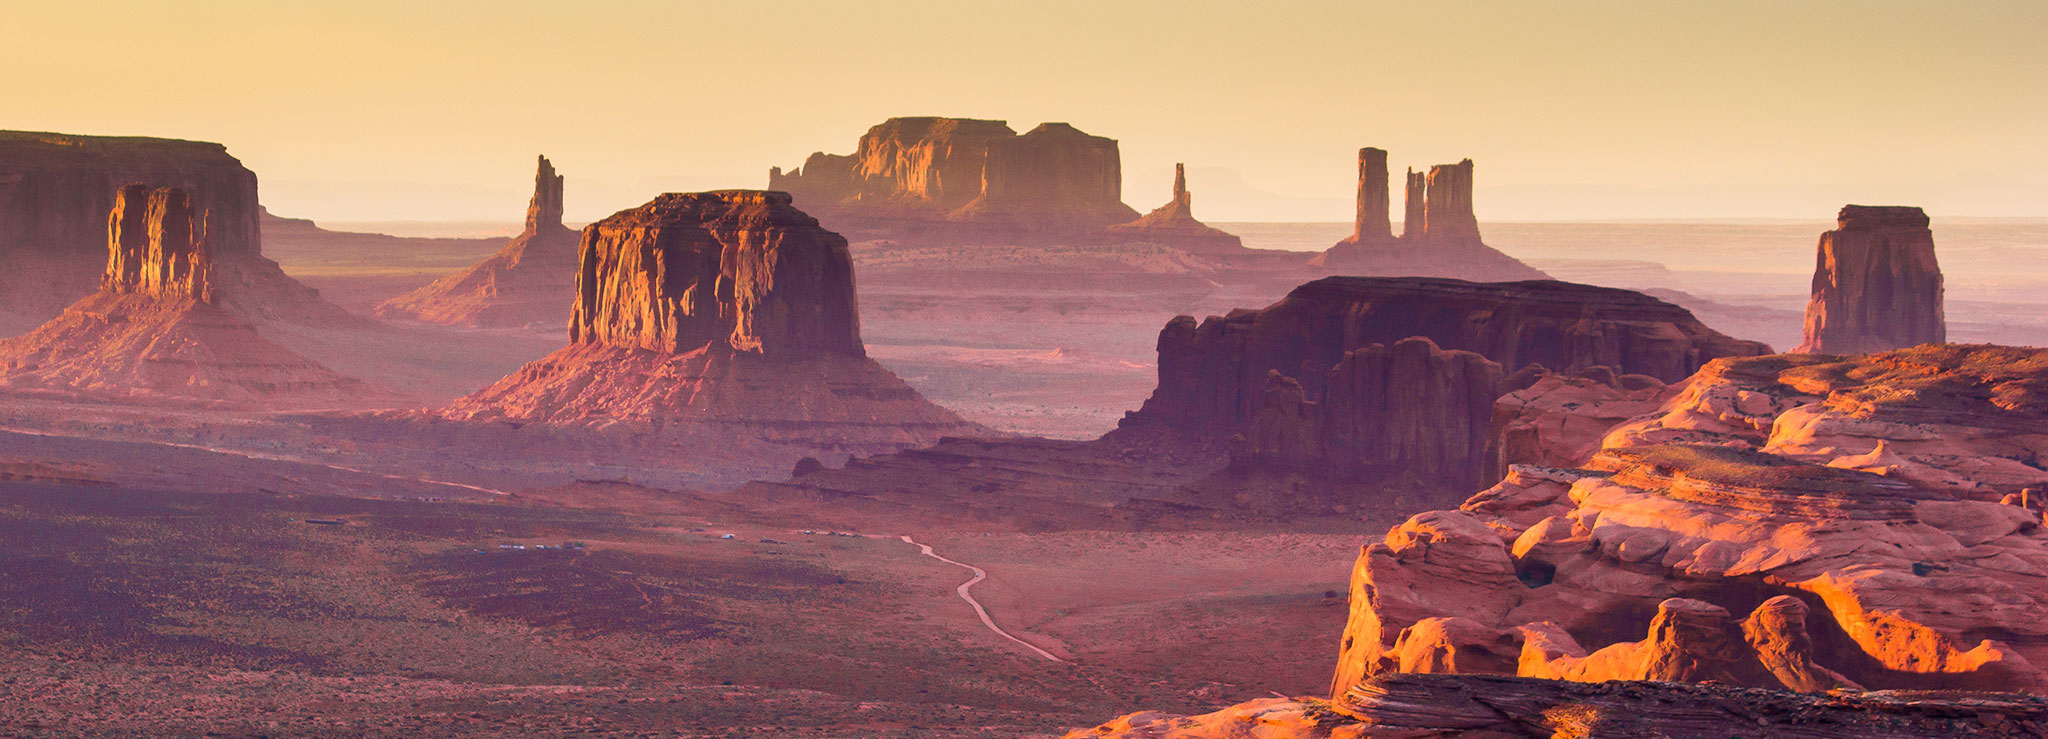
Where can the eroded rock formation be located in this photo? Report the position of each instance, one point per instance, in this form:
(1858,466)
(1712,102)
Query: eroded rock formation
(1553,419)
(1888,495)
(56,191)
(158,329)
(925,179)
(722,317)
(1174,224)
(743,269)
(1415,706)
(532,281)
(1212,375)
(1877,285)
(1439,233)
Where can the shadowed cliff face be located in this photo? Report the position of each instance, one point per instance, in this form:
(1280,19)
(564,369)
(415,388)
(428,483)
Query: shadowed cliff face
(1212,374)
(56,191)
(1876,284)
(156,246)
(738,268)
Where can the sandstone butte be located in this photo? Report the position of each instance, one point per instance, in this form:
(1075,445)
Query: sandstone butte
(1174,224)
(1378,379)
(947,179)
(156,329)
(730,313)
(532,281)
(1876,284)
(1439,234)
(1793,521)
(56,191)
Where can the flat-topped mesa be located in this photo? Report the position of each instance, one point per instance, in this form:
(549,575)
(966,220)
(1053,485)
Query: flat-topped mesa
(953,178)
(530,281)
(1174,224)
(544,212)
(1447,205)
(1876,284)
(156,246)
(737,268)
(1212,375)
(56,191)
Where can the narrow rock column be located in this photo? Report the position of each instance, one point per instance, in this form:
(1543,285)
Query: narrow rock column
(1412,220)
(1447,210)
(1372,223)
(545,210)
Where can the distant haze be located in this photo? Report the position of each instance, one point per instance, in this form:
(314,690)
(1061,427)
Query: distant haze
(379,110)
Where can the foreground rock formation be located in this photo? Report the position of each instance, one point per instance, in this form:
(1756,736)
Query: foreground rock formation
(1490,707)
(1439,235)
(938,179)
(1174,224)
(1393,381)
(1890,496)
(723,315)
(156,329)
(57,189)
(1877,285)
(530,282)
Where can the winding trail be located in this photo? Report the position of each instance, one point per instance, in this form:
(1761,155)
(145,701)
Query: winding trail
(979,575)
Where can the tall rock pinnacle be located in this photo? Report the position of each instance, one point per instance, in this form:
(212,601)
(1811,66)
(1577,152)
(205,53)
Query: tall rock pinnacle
(1372,223)
(545,211)
(1180,184)
(1876,284)
(1412,212)
(1447,206)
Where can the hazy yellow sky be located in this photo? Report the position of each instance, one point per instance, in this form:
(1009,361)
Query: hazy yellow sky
(383,110)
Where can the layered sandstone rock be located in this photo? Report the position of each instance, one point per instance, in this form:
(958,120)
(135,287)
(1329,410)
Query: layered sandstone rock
(945,179)
(1877,285)
(1492,707)
(1212,375)
(532,281)
(1174,224)
(1439,233)
(717,316)
(1410,411)
(157,329)
(1555,419)
(1890,495)
(56,191)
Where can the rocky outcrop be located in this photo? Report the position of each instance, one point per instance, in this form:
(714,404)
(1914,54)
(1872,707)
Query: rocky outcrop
(947,179)
(1439,233)
(741,269)
(56,191)
(1482,706)
(1212,375)
(1891,495)
(158,329)
(1174,224)
(1877,285)
(532,281)
(1410,412)
(1553,419)
(722,318)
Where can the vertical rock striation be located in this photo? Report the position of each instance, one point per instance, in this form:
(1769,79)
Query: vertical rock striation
(156,245)
(1876,284)
(745,269)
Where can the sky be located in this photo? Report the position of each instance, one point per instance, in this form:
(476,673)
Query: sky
(371,110)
